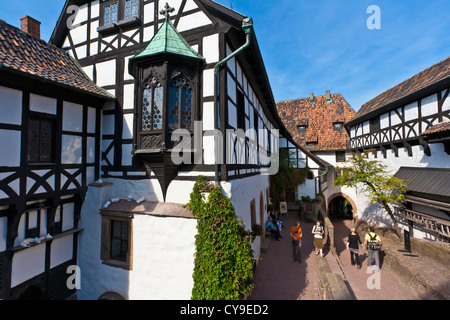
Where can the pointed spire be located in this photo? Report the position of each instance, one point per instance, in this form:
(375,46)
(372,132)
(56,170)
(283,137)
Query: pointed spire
(168,40)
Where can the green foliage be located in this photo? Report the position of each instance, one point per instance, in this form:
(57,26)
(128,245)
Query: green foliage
(377,185)
(224,258)
(288,177)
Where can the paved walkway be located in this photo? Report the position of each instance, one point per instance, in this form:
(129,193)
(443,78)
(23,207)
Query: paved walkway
(278,277)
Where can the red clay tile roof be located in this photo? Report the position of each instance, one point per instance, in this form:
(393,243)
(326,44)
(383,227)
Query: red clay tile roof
(21,52)
(319,119)
(441,127)
(426,78)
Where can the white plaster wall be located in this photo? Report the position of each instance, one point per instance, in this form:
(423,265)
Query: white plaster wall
(72,117)
(163,256)
(61,251)
(149,12)
(384,120)
(192,21)
(106,73)
(208,83)
(92,117)
(71,150)
(149,189)
(166,273)
(241,195)
(411,111)
(211,48)
(429,105)
(22,269)
(128,94)
(10,141)
(68,216)
(42,104)
(10,106)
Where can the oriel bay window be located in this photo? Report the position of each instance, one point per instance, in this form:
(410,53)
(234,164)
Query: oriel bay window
(167,83)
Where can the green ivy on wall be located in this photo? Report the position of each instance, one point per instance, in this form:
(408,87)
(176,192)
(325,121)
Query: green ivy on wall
(224,258)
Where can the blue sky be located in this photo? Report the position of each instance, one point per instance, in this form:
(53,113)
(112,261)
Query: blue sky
(318,45)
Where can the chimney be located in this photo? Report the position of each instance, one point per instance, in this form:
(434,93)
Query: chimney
(329,96)
(31,26)
(311,98)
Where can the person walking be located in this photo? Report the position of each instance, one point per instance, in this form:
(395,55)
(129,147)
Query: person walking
(373,244)
(353,243)
(318,232)
(296,234)
(272,229)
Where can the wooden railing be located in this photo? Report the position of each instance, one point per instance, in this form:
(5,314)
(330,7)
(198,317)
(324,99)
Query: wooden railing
(437,225)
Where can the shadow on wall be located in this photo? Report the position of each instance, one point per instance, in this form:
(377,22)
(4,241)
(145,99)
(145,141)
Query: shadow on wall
(376,216)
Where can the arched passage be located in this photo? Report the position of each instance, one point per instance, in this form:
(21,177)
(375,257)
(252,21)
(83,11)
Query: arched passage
(342,206)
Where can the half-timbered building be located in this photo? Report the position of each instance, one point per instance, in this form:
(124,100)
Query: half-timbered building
(317,124)
(407,129)
(50,117)
(190,68)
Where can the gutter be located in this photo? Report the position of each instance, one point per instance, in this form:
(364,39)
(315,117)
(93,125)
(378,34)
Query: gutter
(247,26)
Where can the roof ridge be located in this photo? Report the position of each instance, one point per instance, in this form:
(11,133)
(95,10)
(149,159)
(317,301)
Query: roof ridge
(398,85)
(323,95)
(42,41)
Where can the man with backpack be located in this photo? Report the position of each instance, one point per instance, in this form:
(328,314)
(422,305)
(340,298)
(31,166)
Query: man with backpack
(373,244)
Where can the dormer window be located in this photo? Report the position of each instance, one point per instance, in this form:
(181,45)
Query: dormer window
(338,126)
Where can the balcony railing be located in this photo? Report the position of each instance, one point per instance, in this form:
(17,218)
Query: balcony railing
(437,225)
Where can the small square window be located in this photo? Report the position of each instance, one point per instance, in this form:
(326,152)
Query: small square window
(338,126)
(116,245)
(340,156)
(301,129)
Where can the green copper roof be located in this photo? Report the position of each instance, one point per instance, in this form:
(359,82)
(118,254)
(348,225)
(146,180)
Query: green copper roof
(168,40)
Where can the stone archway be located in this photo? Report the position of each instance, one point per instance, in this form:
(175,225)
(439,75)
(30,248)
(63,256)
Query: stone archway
(343,195)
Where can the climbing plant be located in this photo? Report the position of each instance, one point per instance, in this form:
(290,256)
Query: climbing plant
(224,258)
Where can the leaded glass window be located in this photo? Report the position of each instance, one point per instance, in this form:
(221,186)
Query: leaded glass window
(180,104)
(119,240)
(152,109)
(111,13)
(131,9)
(40,140)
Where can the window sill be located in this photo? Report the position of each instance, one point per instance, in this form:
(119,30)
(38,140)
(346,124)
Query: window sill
(41,164)
(118,264)
(121,25)
(129,23)
(56,236)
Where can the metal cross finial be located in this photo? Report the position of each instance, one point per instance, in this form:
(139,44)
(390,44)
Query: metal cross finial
(166,11)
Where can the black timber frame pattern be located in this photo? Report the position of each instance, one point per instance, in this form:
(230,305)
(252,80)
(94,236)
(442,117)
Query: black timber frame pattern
(227,24)
(52,282)
(403,135)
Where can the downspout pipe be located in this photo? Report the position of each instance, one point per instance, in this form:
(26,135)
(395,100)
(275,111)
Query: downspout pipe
(247,26)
